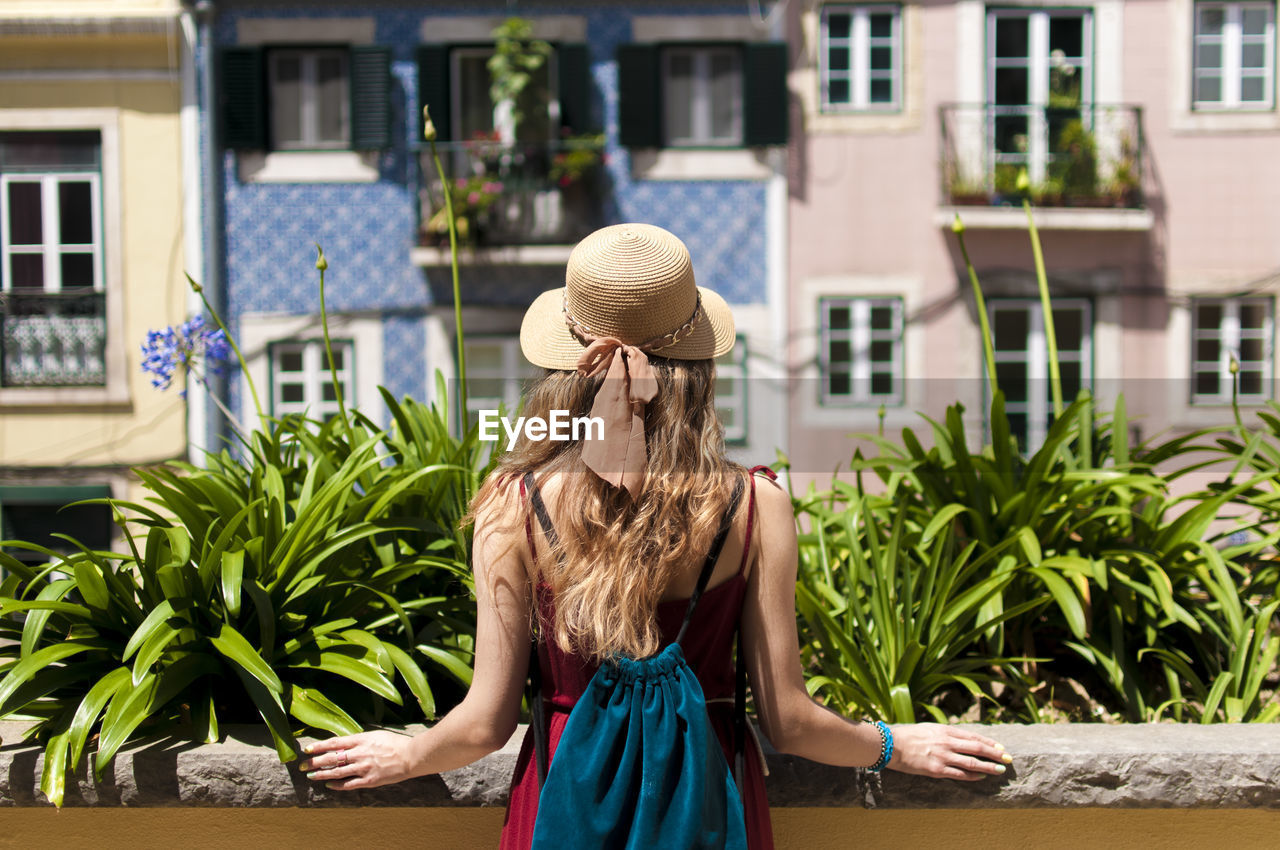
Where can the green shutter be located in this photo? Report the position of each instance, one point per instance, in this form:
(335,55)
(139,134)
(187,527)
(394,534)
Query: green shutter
(433,88)
(241,100)
(574,69)
(639,96)
(766,109)
(370,98)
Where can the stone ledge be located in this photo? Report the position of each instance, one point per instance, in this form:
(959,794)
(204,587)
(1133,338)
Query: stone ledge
(1054,767)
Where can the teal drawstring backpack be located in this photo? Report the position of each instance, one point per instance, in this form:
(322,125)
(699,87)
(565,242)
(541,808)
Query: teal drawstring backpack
(638,765)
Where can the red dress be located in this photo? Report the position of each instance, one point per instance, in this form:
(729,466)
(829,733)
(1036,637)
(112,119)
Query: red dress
(708,647)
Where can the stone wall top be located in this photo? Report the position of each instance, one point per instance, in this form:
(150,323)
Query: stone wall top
(1054,766)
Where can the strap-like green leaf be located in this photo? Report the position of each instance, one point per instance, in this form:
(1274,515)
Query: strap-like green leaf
(38,661)
(148,627)
(90,707)
(417,680)
(232,646)
(361,672)
(315,709)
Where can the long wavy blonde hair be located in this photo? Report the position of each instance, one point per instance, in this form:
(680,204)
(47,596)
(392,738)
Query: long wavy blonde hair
(616,555)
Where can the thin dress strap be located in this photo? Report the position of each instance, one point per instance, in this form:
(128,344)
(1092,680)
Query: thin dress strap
(712,556)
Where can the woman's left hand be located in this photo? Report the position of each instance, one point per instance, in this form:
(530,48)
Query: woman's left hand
(366,760)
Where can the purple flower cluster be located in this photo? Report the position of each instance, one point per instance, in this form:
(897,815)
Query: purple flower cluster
(172,348)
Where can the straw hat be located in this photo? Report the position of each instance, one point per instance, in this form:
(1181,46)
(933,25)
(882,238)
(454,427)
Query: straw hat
(633,282)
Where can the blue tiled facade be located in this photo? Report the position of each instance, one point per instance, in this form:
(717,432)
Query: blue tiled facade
(368,229)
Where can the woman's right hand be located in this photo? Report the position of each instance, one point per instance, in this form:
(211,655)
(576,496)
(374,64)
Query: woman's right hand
(945,752)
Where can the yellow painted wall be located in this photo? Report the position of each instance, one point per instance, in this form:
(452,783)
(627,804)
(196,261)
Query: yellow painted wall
(151,425)
(84,8)
(794,829)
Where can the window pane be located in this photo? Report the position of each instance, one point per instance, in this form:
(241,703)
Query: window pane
(1013,380)
(329,393)
(28,271)
(1253,316)
(77,271)
(331,98)
(1208,89)
(1070,374)
(486,358)
(725,85)
(881,351)
(839,383)
(1253,56)
(882,318)
(337,358)
(1209,56)
(881,58)
(75,213)
(839,351)
(1069,326)
(1211,21)
(838,318)
(56,148)
(1209,316)
(882,383)
(1251,350)
(838,91)
(292,393)
(1066,33)
(881,25)
(1010,329)
(290,361)
(1208,350)
(1252,89)
(838,25)
(1206,383)
(1254,21)
(1011,37)
(1250,382)
(1011,133)
(882,91)
(25,214)
(286,99)
(838,59)
(475,109)
(678,96)
(1011,86)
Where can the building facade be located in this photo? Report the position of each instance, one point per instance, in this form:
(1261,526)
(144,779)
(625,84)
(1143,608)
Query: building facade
(1147,132)
(92,255)
(672,114)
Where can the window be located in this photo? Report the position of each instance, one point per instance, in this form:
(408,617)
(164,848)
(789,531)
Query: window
(1039,83)
(52,299)
(702,96)
(860,58)
(1234,56)
(301,382)
(34,514)
(305,98)
(475,115)
(497,375)
(309,101)
(861,351)
(731,392)
(1022,360)
(1226,331)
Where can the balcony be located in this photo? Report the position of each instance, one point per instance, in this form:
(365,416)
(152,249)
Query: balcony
(514,203)
(1084,165)
(53,339)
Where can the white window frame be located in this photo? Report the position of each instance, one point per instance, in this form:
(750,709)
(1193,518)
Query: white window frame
(860,335)
(51,248)
(1232,42)
(700,103)
(1039,406)
(1229,335)
(514,372)
(733,367)
(859,44)
(309,115)
(315,374)
(1038,67)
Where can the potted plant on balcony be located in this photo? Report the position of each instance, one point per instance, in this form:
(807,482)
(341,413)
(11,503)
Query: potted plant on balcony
(473,197)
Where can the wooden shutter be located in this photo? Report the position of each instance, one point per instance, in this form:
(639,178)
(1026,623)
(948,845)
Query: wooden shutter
(433,89)
(639,96)
(241,99)
(370,98)
(766,110)
(574,69)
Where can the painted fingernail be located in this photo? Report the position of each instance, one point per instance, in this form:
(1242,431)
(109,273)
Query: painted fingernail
(312,774)
(304,767)
(1000,768)
(998,747)
(307,749)
(1006,758)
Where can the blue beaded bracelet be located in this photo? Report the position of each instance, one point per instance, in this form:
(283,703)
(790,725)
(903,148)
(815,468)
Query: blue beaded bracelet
(886,747)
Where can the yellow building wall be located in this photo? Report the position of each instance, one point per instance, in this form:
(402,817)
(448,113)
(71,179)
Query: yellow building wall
(149,425)
(794,829)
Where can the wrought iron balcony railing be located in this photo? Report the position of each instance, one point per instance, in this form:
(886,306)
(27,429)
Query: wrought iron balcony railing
(513,194)
(53,339)
(1089,155)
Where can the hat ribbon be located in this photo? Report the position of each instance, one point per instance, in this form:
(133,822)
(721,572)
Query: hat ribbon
(629,384)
